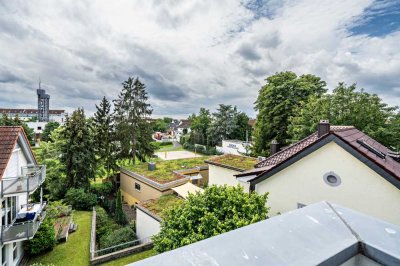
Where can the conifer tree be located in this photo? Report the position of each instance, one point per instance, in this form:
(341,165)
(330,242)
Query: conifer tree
(131,120)
(78,154)
(120,216)
(104,135)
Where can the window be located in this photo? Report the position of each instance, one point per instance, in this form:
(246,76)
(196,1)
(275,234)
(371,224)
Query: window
(39,128)
(332,179)
(15,251)
(3,255)
(137,187)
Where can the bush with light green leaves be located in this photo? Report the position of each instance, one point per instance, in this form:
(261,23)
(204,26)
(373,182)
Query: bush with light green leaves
(217,210)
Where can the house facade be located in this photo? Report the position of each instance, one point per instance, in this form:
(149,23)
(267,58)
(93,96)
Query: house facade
(223,169)
(153,180)
(20,177)
(338,164)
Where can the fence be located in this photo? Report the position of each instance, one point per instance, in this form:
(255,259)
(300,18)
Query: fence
(117,251)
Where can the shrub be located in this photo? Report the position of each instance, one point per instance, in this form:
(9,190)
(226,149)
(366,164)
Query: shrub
(57,209)
(44,239)
(102,189)
(80,200)
(117,237)
(217,210)
(166,143)
(104,224)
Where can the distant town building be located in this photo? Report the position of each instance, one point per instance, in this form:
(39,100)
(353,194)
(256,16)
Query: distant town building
(29,114)
(43,105)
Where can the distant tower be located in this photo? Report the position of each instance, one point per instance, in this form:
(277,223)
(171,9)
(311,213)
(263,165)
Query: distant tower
(43,105)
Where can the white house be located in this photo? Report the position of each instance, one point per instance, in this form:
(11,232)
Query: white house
(20,176)
(148,213)
(339,164)
(233,146)
(222,169)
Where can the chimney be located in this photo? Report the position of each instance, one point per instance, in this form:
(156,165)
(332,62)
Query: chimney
(274,147)
(323,128)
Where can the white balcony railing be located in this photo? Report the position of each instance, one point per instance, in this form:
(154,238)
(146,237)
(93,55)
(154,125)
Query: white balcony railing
(31,178)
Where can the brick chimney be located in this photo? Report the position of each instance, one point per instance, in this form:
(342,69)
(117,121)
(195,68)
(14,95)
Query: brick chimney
(274,147)
(323,128)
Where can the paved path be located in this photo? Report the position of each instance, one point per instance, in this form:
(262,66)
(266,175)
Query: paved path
(172,155)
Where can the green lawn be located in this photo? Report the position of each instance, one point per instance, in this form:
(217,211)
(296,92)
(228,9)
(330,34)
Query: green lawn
(131,258)
(76,250)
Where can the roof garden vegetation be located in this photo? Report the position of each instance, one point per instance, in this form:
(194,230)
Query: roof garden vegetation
(235,161)
(164,169)
(157,206)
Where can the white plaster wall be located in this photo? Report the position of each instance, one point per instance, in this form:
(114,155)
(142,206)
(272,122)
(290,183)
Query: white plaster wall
(146,225)
(361,188)
(15,163)
(221,176)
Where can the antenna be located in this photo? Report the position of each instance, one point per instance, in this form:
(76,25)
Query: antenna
(40,82)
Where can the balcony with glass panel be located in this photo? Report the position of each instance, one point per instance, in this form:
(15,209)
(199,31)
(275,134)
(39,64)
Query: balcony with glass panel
(25,224)
(30,179)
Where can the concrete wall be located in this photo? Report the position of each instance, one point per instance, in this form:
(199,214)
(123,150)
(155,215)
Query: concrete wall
(361,188)
(146,225)
(222,176)
(132,196)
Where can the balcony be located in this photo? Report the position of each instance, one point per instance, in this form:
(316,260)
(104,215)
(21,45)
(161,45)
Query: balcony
(26,224)
(31,178)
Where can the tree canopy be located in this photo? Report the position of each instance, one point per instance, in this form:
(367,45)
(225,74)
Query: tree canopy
(346,106)
(48,129)
(217,210)
(277,101)
(6,121)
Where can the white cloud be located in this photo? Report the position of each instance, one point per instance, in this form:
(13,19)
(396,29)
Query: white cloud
(189,53)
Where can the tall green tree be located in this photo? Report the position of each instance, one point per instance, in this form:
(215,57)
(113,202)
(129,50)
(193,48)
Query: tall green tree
(223,123)
(243,129)
(199,126)
(49,154)
(277,101)
(104,136)
(131,118)
(48,129)
(217,210)
(346,106)
(78,151)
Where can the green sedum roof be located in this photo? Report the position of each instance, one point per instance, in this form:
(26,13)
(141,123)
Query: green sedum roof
(157,206)
(164,169)
(234,161)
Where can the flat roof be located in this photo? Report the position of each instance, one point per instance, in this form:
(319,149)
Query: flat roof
(164,171)
(234,162)
(319,234)
(157,206)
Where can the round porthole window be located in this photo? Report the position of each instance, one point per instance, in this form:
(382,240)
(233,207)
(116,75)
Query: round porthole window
(332,179)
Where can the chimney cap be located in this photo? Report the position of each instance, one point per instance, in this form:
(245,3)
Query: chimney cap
(324,121)
(274,141)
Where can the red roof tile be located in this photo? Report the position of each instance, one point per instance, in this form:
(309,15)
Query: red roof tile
(349,135)
(8,139)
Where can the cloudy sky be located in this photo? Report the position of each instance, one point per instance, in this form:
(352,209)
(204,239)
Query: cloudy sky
(192,54)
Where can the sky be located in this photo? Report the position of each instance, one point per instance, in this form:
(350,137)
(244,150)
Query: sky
(192,54)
